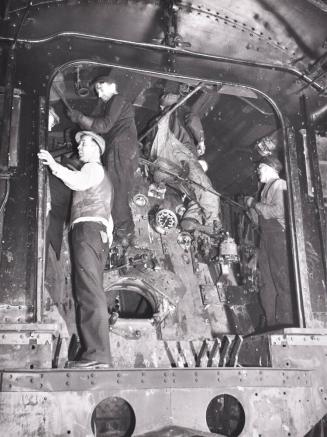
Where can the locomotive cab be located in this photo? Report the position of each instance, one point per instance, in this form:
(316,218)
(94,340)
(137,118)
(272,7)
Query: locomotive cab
(210,280)
(191,351)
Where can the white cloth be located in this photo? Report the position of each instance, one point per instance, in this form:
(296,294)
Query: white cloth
(160,146)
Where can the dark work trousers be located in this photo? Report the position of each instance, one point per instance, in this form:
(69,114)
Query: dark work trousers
(90,255)
(121,160)
(274,265)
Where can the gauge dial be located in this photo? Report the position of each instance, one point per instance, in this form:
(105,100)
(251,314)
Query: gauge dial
(140,200)
(165,220)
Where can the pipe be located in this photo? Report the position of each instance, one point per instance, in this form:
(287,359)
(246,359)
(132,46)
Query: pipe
(62,97)
(27,8)
(192,182)
(177,50)
(6,196)
(61,150)
(319,76)
(36,5)
(244,99)
(320,4)
(171,110)
(318,114)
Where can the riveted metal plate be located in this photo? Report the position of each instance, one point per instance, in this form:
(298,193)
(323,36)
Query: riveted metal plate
(78,380)
(298,340)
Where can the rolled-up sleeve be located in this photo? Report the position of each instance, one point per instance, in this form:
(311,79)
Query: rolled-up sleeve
(91,174)
(103,124)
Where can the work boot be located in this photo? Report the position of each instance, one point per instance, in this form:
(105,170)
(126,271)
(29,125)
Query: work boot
(87,364)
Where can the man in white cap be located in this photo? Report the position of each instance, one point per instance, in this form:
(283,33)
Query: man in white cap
(91,225)
(273,257)
(114,118)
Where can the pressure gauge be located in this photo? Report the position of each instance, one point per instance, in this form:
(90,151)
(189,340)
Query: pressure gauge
(165,220)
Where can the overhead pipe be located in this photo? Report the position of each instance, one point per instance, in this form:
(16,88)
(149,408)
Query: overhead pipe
(174,7)
(177,50)
(318,114)
(320,4)
(172,109)
(254,106)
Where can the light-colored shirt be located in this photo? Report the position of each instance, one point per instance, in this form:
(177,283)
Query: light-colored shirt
(160,148)
(272,204)
(90,175)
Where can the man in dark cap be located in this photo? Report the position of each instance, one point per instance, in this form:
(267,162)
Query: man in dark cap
(274,259)
(113,118)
